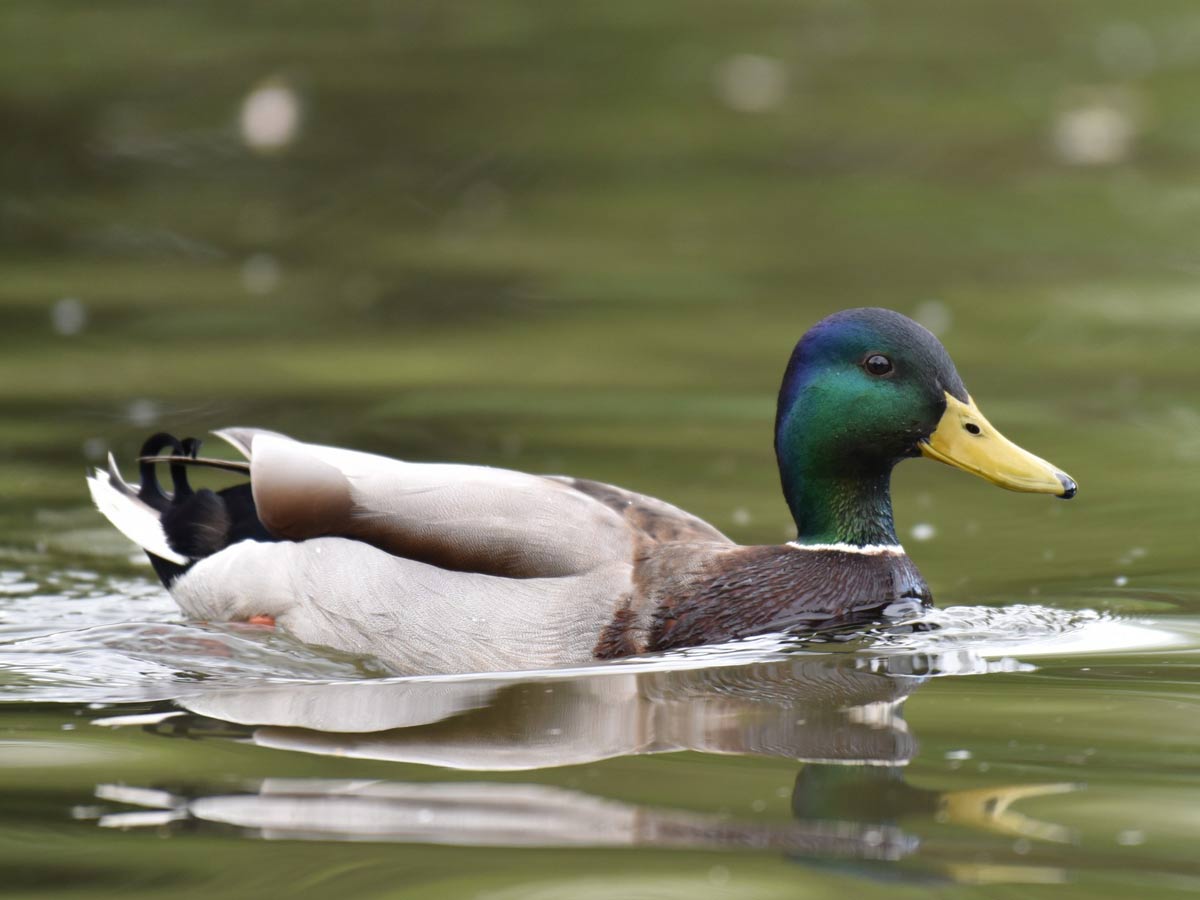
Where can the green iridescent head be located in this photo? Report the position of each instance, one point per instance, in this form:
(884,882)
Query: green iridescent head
(864,389)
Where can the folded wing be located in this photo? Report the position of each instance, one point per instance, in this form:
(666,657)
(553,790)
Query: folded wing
(464,518)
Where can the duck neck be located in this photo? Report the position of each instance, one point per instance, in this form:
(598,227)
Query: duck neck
(850,505)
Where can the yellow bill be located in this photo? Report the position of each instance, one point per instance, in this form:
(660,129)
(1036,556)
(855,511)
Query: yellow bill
(966,440)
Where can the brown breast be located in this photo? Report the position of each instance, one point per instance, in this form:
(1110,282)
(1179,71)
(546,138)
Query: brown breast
(725,593)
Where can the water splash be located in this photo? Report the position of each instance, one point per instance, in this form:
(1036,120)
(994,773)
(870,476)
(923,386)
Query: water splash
(1028,631)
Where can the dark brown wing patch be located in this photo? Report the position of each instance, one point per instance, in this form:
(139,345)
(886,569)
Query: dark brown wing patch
(657,520)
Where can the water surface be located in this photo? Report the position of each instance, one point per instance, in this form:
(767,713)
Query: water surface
(577,238)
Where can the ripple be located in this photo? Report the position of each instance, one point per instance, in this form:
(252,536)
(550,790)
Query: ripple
(154,660)
(82,636)
(1027,631)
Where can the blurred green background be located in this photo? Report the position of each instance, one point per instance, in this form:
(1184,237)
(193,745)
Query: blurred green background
(584,237)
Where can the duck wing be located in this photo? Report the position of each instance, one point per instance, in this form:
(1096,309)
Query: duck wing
(459,517)
(654,519)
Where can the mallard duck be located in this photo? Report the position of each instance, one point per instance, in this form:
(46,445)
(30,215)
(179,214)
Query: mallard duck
(435,567)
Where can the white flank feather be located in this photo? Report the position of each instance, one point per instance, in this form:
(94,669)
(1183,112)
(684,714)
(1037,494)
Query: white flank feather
(133,518)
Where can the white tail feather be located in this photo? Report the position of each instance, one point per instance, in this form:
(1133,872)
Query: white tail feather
(133,518)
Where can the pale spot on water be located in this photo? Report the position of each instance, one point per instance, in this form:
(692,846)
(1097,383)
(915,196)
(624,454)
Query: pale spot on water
(68,316)
(270,117)
(142,412)
(1096,129)
(261,274)
(923,531)
(751,83)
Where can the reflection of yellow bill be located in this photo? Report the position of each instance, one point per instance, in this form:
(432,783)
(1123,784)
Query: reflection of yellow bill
(966,440)
(988,808)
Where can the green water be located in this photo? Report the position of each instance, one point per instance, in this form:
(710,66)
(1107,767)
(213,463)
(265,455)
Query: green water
(582,238)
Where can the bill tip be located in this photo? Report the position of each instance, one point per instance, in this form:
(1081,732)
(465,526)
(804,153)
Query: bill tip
(1068,484)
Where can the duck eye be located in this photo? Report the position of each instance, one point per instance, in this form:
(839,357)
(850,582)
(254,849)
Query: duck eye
(878,364)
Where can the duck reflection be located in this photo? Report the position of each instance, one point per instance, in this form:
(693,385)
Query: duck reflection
(491,814)
(837,713)
(803,708)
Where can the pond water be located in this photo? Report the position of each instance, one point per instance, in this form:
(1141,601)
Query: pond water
(1016,745)
(583,238)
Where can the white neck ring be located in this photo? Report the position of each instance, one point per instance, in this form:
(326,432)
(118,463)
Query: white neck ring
(865,549)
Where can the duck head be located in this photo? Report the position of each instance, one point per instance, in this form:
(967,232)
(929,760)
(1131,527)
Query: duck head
(864,389)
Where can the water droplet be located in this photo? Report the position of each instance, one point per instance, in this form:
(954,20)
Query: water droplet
(142,412)
(957,754)
(1131,837)
(1120,581)
(1097,130)
(923,531)
(270,117)
(751,83)
(68,316)
(261,274)
(741,516)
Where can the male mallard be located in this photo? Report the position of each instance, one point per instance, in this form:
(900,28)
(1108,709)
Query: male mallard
(453,568)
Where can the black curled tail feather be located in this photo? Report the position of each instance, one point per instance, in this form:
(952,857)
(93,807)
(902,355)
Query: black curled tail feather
(149,491)
(197,523)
